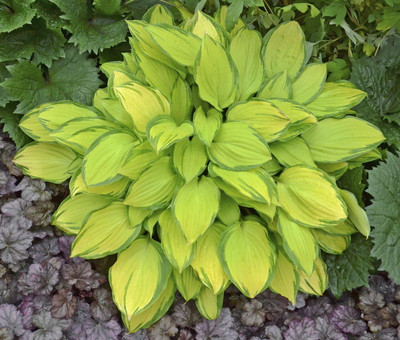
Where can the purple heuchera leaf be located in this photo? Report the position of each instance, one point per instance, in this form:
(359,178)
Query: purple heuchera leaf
(253,314)
(6,334)
(43,278)
(328,331)
(81,317)
(63,304)
(221,328)
(102,307)
(40,213)
(13,242)
(8,289)
(82,276)
(186,314)
(103,330)
(16,211)
(273,333)
(49,328)
(41,303)
(44,249)
(141,334)
(347,319)
(164,329)
(64,244)
(10,318)
(317,307)
(301,330)
(26,309)
(274,304)
(7,183)
(33,190)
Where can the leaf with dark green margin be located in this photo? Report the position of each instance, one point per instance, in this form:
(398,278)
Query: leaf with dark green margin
(91,33)
(379,77)
(15,14)
(139,7)
(11,121)
(74,77)
(50,12)
(352,180)
(383,213)
(350,269)
(46,44)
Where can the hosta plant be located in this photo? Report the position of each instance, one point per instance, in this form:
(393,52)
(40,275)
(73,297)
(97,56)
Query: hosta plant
(210,159)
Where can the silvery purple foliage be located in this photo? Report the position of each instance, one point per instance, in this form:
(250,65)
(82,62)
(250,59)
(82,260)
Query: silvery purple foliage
(303,329)
(327,330)
(10,318)
(347,319)
(273,333)
(221,328)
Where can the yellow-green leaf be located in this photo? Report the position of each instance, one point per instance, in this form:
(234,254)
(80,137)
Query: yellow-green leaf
(206,262)
(337,140)
(181,101)
(105,157)
(162,132)
(285,50)
(177,250)
(142,103)
(180,45)
(292,152)
(310,197)
(201,25)
(237,147)
(159,14)
(286,279)
(195,207)
(317,282)
(136,216)
(48,161)
(255,184)
(139,276)
(215,74)
(155,187)
(262,116)
(31,125)
(229,211)
(335,98)
(154,312)
(207,124)
(299,243)
(279,86)
(208,304)
(245,49)
(190,158)
(343,228)
(309,83)
(187,283)
(105,231)
(248,256)
(329,243)
(357,215)
(74,210)
(334,169)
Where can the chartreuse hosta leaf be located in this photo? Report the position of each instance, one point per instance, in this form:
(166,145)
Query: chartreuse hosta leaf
(292,152)
(310,197)
(50,162)
(279,86)
(195,207)
(159,15)
(330,243)
(142,103)
(155,186)
(336,140)
(238,147)
(309,83)
(334,169)
(105,231)
(357,216)
(262,116)
(181,101)
(31,126)
(285,50)
(248,256)
(201,24)
(255,184)
(286,278)
(317,282)
(190,158)
(105,157)
(188,283)
(206,263)
(209,304)
(343,228)
(154,312)
(74,210)
(245,49)
(215,74)
(162,132)
(229,211)
(136,216)
(139,276)
(207,124)
(177,250)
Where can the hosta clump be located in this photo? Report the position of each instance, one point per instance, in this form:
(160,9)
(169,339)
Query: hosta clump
(209,159)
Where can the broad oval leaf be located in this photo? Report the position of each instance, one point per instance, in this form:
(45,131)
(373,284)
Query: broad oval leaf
(317,282)
(215,74)
(229,211)
(207,124)
(209,304)
(105,231)
(195,207)
(181,101)
(139,276)
(262,116)
(187,283)
(31,126)
(285,50)
(330,243)
(248,257)
(206,262)
(337,140)
(309,83)
(310,197)
(201,25)
(279,86)
(238,147)
(292,152)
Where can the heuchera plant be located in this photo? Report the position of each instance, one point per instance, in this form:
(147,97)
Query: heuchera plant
(209,159)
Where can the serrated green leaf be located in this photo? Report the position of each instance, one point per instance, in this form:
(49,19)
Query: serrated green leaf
(15,13)
(11,121)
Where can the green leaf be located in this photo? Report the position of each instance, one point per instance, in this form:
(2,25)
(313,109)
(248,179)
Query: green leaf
(215,74)
(353,180)
(91,33)
(11,121)
(208,304)
(46,44)
(73,78)
(383,213)
(233,13)
(350,269)
(188,283)
(309,83)
(107,7)
(207,124)
(279,86)
(15,13)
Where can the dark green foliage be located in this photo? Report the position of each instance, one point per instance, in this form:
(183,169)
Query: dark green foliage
(11,122)
(15,13)
(352,180)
